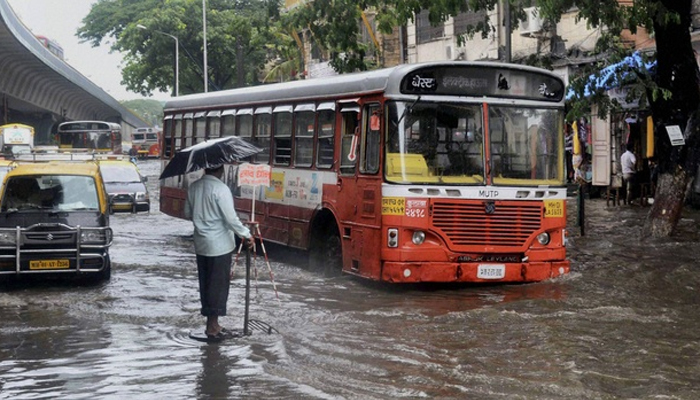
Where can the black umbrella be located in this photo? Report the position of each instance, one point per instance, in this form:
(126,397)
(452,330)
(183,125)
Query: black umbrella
(209,154)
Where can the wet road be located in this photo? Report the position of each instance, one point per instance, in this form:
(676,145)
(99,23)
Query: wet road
(624,324)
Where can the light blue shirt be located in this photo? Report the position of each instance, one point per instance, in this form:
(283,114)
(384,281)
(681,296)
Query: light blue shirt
(210,207)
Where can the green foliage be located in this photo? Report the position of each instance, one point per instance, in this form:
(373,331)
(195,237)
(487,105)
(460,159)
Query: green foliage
(151,111)
(237,34)
(334,26)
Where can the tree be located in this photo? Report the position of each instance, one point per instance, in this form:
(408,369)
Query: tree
(236,33)
(151,111)
(673,92)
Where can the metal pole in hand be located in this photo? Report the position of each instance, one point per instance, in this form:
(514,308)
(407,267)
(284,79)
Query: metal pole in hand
(247,291)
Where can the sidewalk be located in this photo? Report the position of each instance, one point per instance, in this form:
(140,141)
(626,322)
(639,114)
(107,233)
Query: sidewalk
(623,222)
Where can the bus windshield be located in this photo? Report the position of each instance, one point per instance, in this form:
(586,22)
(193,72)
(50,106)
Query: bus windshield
(443,143)
(90,136)
(525,146)
(435,143)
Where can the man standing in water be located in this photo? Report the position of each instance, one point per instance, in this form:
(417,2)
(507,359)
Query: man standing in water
(209,205)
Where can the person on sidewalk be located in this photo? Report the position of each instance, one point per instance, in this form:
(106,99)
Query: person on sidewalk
(628,161)
(209,205)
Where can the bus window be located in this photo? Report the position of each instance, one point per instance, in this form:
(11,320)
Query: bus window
(200,127)
(188,134)
(283,138)
(370,143)
(326,133)
(349,139)
(214,124)
(525,144)
(228,123)
(100,141)
(167,136)
(244,120)
(177,132)
(263,126)
(304,138)
(448,138)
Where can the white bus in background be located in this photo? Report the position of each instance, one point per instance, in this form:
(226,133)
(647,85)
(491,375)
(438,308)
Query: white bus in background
(16,139)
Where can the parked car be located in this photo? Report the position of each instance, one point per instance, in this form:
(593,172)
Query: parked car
(54,219)
(125,186)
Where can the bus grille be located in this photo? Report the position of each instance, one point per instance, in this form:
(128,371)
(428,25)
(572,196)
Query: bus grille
(470,225)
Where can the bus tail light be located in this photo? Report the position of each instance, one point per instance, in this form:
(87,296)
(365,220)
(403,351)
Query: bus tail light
(393,237)
(418,238)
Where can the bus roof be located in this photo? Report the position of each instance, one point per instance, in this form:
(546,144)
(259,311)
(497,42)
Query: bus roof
(16,125)
(88,125)
(387,80)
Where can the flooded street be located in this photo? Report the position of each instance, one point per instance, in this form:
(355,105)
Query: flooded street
(624,324)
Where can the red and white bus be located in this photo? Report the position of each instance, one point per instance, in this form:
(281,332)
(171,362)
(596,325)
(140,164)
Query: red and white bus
(435,172)
(147,142)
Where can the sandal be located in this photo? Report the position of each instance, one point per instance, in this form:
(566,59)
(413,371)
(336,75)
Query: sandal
(215,338)
(228,333)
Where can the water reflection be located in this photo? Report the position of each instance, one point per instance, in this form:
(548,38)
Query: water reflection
(213,381)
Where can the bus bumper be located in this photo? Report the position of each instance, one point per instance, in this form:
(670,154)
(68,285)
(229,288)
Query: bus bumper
(412,272)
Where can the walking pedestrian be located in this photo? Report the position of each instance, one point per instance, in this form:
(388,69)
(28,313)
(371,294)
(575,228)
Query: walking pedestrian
(209,205)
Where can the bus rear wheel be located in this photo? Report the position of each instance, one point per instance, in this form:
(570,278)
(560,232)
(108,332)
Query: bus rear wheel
(326,251)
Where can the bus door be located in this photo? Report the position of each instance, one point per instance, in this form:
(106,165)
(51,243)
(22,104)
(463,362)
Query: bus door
(359,186)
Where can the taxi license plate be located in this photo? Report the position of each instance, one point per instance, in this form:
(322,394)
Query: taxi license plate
(491,271)
(49,264)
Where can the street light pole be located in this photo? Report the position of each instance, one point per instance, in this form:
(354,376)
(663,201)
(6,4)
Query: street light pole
(204,33)
(177,57)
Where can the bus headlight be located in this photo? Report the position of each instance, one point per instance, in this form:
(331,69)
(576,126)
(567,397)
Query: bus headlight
(8,238)
(418,238)
(393,237)
(543,238)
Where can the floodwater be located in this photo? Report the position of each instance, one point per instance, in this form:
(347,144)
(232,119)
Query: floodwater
(624,324)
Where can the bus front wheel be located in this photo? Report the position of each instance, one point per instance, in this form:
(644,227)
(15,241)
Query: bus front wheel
(325,254)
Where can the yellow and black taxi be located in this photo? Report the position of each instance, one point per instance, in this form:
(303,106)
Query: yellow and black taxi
(54,219)
(125,186)
(5,166)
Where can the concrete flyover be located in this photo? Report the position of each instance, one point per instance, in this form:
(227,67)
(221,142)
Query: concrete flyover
(39,89)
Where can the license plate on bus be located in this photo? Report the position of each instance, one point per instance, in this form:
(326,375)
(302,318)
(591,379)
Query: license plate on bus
(491,271)
(49,264)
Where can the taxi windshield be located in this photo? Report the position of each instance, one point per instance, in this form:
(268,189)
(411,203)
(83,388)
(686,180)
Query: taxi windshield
(52,192)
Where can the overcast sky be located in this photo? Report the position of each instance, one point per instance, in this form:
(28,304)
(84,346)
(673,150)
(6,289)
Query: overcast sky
(59,20)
